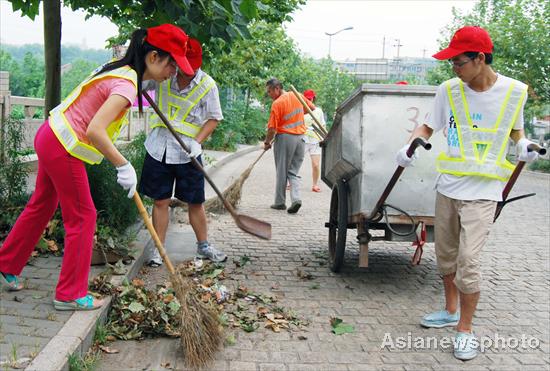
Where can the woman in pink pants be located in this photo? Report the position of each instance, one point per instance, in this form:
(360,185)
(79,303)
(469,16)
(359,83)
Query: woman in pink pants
(82,129)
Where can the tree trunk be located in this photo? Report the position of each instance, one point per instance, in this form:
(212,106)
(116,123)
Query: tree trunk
(52,53)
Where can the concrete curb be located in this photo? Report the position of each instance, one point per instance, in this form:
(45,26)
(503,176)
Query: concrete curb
(77,334)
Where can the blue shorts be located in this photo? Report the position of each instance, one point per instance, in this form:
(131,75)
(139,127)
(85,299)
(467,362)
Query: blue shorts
(157,181)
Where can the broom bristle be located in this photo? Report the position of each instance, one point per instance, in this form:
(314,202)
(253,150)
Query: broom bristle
(201,332)
(232,194)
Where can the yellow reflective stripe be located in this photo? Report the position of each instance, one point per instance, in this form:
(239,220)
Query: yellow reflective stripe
(492,162)
(194,102)
(65,132)
(182,103)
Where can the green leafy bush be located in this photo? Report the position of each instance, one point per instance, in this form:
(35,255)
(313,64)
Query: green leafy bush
(241,125)
(13,174)
(115,211)
(541,164)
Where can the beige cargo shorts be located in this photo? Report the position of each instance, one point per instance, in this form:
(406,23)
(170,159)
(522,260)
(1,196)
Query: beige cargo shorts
(461,230)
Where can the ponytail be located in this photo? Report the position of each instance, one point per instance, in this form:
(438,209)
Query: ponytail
(135,58)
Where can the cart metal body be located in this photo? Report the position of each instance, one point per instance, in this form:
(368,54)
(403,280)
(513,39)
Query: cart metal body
(358,160)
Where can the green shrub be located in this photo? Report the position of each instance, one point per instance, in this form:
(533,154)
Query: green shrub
(541,164)
(241,125)
(115,212)
(13,175)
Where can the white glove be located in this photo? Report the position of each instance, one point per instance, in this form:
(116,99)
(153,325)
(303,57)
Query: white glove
(402,159)
(127,178)
(195,149)
(523,154)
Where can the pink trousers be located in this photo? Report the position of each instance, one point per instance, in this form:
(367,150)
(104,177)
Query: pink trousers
(61,179)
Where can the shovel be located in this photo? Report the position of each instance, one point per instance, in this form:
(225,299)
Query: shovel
(500,205)
(246,223)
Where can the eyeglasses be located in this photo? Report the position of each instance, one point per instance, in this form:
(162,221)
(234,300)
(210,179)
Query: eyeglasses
(456,64)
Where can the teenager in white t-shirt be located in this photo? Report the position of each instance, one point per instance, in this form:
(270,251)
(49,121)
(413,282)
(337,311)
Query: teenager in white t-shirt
(480,110)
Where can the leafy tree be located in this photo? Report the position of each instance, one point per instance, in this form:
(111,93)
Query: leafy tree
(207,20)
(79,70)
(519,30)
(27,77)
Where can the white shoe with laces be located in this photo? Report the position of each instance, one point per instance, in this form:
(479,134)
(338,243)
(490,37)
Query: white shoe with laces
(154,259)
(210,252)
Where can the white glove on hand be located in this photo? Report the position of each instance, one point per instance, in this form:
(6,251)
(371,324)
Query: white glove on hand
(195,149)
(127,178)
(402,159)
(523,154)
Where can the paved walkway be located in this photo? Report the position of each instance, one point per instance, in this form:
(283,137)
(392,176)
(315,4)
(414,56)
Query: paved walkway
(383,302)
(32,330)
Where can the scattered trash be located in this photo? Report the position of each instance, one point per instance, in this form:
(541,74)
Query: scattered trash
(222,294)
(198,263)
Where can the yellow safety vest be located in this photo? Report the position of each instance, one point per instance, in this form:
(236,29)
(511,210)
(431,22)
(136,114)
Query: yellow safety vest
(482,150)
(64,131)
(177,108)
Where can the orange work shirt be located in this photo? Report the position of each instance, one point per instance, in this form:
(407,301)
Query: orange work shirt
(287,114)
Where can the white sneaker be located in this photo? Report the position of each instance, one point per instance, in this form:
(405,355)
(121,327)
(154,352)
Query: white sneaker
(154,259)
(210,252)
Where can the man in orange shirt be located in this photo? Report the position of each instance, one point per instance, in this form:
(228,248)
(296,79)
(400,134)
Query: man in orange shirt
(286,125)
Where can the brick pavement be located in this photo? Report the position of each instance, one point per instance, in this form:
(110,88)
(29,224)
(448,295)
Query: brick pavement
(390,296)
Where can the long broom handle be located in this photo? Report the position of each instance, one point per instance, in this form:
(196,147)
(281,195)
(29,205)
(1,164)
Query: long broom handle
(151,229)
(195,162)
(316,125)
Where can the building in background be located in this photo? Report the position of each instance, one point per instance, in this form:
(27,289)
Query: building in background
(409,69)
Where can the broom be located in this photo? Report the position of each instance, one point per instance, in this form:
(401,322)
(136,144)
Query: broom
(201,334)
(233,193)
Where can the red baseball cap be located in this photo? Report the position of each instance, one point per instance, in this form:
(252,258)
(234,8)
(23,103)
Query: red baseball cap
(173,40)
(467,39)
(194,53)
(309,94)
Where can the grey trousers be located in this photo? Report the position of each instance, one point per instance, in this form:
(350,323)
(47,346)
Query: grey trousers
(288,150)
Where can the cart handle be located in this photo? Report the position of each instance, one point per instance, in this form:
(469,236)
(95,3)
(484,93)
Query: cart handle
(418,142)
(376,214)
(508,187)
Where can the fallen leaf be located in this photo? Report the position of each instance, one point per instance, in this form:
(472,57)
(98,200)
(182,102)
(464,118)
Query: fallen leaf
(303,275)
(52,246)
(108,350)
(230,340)
(301,337)
(339,327)
(138,283)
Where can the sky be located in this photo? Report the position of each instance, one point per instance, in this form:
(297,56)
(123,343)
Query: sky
(413,24)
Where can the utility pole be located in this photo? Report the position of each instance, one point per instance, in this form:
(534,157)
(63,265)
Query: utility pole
(383,46)
(424,53)
(399,45)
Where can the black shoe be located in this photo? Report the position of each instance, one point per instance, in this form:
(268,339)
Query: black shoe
(293,209)
(278,206)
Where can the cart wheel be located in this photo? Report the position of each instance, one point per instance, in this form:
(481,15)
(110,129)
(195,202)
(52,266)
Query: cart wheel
(338,225)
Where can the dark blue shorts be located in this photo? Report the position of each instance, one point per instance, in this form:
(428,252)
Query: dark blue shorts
(157,181)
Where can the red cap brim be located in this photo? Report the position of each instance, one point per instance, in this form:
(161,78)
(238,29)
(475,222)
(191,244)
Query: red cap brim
(184,65)
(447,53)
